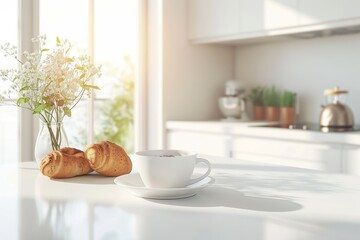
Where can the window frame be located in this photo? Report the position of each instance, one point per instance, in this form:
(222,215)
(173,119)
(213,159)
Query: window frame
(28,13)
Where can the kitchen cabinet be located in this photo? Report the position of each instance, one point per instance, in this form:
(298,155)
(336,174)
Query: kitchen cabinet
(320,11)
(211,144)
(351,156)
(236,21)
(213,18)
(224,18)
(258,15)
(310,155)
(279,13)
(329,152)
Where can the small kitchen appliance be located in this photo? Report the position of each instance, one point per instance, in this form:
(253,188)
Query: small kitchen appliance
(335,114)
(232,105)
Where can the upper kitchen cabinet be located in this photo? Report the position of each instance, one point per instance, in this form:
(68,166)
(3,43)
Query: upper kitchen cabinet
(217,20)
(323,11)
(258,15)
(213,18)
(238,21)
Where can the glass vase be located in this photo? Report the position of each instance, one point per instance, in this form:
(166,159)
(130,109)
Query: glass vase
(51,137)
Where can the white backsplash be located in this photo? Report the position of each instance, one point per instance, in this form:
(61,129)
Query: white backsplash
(307,67)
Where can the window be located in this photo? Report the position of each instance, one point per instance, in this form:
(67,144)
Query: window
(108,32)
(9,131)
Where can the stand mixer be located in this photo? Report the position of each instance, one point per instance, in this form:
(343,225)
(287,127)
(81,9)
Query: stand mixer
(233,104)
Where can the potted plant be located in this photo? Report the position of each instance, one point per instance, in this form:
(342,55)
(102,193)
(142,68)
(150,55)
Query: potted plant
(256,97)
(287,107)
(271,102)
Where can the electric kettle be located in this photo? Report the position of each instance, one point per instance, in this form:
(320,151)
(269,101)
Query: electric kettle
(336,114)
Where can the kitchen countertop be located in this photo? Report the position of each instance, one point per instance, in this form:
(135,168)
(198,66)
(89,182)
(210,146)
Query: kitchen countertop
(252,129)
(248,201)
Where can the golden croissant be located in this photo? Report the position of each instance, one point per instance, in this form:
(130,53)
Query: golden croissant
(108,159)
(65,163)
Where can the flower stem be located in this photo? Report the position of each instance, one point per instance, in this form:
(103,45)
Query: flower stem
(55,137)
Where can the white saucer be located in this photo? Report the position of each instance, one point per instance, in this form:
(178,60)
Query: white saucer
(133,183)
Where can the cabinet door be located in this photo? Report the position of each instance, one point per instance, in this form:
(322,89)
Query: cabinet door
(310,155)
(219,18)
(213,18)
(351,160)
(203,143)
(257,15)
(252,17)
(281,14)
(313,12)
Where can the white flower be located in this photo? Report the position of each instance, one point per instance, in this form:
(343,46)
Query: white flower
(50,82)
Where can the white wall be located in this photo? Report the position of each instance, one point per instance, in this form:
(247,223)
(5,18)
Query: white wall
(193,75)
(306,67)
(184,80)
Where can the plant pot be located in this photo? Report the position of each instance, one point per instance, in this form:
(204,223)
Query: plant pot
(259,113)
(287,115)
(272,114)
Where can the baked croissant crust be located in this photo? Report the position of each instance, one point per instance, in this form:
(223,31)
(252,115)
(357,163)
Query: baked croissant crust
(108,159)
(65,163)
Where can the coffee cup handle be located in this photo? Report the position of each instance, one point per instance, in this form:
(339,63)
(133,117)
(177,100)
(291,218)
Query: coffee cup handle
(201,160)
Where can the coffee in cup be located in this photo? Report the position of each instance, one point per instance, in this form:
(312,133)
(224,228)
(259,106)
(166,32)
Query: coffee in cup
(169,168)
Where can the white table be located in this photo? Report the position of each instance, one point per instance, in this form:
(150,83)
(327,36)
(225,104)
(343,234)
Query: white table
(248,201)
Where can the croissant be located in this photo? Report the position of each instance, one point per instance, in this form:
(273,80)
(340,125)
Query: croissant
(108,159)
(65,163)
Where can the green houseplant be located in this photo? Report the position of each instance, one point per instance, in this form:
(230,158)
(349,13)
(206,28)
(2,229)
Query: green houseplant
(271,100)
(287,107)
(256,97)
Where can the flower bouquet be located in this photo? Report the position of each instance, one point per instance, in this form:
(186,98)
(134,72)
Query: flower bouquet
(49,83)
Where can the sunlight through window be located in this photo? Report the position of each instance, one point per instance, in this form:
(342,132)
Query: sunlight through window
(113,45)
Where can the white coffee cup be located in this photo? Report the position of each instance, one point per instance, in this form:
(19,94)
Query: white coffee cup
(169,168)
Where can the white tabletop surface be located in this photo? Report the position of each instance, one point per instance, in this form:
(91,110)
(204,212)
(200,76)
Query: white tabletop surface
(247,201)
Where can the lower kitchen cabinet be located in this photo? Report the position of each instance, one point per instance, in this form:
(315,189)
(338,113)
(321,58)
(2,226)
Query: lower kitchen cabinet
(203,143)
(310,155)
(351,159)
(330,152)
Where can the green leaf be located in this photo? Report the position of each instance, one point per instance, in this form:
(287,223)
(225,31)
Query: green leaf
(39,108)
(58,40)
(69,59)
(45,49)
(87,87)
(82,76)
(67,50)
(24,88)
(67,111)
(22,100)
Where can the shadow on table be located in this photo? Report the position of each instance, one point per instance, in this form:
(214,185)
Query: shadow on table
(92,178)
(282,178)
(224,197)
